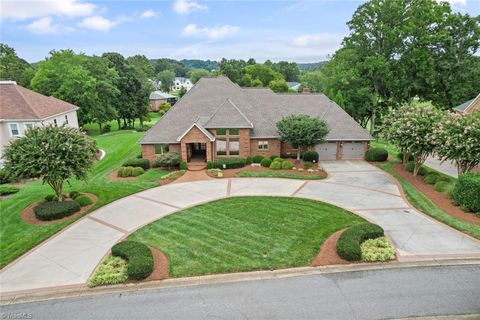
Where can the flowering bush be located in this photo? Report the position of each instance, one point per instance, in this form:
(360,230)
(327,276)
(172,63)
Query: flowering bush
(458,139)
(379,249)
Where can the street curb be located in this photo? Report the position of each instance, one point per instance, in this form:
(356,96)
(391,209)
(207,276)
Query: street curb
(83,291)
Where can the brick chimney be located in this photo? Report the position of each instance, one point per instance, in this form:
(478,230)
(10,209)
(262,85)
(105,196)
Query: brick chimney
(307,90)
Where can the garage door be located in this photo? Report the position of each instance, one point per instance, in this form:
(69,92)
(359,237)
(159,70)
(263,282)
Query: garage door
(353,150)
(327,151)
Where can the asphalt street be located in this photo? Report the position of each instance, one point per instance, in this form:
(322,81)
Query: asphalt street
(375,294)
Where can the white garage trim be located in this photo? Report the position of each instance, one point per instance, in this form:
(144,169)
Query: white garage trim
(327,151)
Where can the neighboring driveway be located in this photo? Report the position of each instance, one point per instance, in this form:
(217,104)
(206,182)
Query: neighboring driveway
(447,167)
(369,295)
(71,256)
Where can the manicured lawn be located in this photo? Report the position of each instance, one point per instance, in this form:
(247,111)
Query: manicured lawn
(422,203)
(94,130)
(17,237)
(277,174)
(244,233)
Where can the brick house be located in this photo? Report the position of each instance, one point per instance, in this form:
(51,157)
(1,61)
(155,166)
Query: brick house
(217,118)
(469,107)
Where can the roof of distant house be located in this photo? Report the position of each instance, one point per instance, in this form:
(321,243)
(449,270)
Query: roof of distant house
(159,95)
(293,84)
(465,106)
(220,103)
(19,103)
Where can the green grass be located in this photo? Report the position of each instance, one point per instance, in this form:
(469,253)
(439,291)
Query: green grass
(94,130)
(276,174)
(17,237)
(244,233)
(422,203)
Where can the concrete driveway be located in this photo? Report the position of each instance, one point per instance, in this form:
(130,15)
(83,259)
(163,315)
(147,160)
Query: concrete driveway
(69,258)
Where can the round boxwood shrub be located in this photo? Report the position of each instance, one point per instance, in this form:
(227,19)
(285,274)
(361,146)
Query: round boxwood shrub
(287,165)
(258,158)
(431,178)
(348,244)
(183,165)
(209,164)
(276,165)
(441,186)
(248,160)
(310,156)
(266,162)
(137,171)
(52,210)
(83,200)
(74,194)
(128,171)
(376,154)
(6,189)
(410,166)
(307,164)
(423,171)
(467,190)
(142,163)
(273,157)
(139,257)
(278,159)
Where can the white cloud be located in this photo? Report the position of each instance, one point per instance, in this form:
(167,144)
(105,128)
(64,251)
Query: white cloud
(453,2)
(43,26)
(148,14)
(212,33)
(323,40)
(20,10)
(97,23)
(187,6)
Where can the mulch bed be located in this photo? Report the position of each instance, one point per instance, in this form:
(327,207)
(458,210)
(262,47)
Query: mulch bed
(328,252)
(230,173)
(440,199)
(160,266)
(113,176)
(29,217)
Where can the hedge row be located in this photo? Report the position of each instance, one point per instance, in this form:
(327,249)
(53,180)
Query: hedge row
(466,192)
(142,163)
(348,244)
(167,159)
(6,189)
(139,256)
(130,172)
(230,163)
(52,210)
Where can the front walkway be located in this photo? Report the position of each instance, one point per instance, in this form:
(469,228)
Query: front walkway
(71,256)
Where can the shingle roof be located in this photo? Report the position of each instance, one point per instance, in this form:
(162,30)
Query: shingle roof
(19,103)
(465,106)
(157,95)
(260,107)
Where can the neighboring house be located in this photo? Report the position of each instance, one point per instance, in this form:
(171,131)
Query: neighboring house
(180,82)
(217,118)
(293,85)
(157,98)
(22,109)
(469,106)
(155,84)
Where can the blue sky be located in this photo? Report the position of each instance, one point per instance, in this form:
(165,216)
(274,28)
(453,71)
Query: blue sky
(302,31)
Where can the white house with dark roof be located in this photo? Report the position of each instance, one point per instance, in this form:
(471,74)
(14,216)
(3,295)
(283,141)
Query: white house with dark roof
(181,82)
(22,109)
(217,118)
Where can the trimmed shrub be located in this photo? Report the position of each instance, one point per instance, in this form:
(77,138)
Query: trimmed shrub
(287,165)
(112,270)
(376,154)
(167,159)
(6,189)
(83,200)
(121,172)
(258,158)
(249,160)
(142,163)
(410,166)
(52,210)
(266,162)
(431,178)
(310,156)
(276,165)
(423,171)
(278,159)
(51,197)
(139,257)
(467,190)
(441,186)
(209,164)
(128,171)
(348,244)
(4,176)
(307,164)
(73,194)
(379,249)
(230,163)
(183,165)
(137,171)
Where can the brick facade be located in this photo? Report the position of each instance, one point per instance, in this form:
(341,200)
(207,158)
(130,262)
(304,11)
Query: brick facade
(274,147)
(195,135)
(148,152)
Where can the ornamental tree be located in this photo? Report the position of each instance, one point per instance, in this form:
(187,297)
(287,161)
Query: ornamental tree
(458,139)
(54,154)
(302,131)
(411,128)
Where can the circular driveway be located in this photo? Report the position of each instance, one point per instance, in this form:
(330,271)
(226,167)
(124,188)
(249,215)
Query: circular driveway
(71,256)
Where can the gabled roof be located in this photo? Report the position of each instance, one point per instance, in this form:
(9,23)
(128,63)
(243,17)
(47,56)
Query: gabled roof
(465,107)
(228,115)
(157,95)
(19,103)
(201,128)
(260,107)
